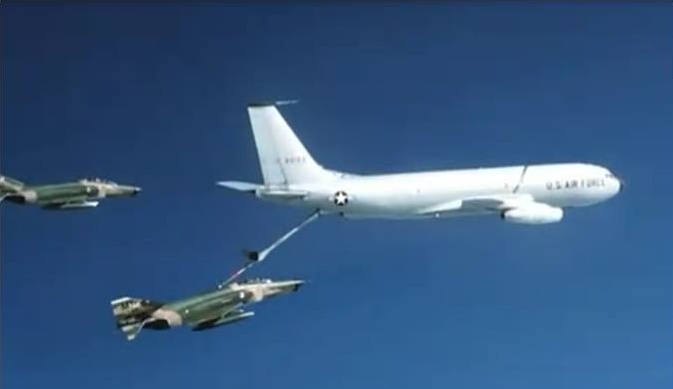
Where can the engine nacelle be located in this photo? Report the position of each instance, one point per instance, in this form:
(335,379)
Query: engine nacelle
(533,214)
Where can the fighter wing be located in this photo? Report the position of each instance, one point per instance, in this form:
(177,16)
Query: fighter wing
(216,308)
(70,203)
(486,204)
(227,318)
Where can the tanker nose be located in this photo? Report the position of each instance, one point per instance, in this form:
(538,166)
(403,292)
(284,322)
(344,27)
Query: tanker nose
(615,183)
(621,184)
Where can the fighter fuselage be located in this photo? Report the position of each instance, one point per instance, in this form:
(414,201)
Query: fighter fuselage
(202,311)
(84,193)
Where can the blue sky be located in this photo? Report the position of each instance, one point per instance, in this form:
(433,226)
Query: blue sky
(155,95)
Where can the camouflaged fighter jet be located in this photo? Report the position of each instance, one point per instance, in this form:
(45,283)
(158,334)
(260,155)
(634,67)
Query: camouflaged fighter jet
(84,193)
(202,312)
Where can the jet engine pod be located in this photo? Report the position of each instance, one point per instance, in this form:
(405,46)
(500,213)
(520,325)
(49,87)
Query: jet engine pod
(533,214)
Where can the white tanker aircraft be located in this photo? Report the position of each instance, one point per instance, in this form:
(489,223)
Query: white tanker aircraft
(526,194)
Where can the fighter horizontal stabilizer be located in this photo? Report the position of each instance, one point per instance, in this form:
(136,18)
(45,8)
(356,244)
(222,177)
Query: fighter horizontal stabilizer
(132,330)
(240,186)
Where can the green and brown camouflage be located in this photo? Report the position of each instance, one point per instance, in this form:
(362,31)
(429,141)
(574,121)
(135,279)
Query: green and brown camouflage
(203,311)
(84,193)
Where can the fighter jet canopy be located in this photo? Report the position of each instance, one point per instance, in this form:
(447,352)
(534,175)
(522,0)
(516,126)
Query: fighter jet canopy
(256,281)
(98,181)
(245,282)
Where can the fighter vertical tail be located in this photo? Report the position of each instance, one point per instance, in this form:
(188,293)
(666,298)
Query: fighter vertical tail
(131,314)
(10,185)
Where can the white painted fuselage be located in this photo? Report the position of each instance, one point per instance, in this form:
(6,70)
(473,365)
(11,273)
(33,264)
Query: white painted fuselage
(530,194)
(442,193)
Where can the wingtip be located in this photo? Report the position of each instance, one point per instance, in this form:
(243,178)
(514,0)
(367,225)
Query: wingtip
(277,103)
(261,104)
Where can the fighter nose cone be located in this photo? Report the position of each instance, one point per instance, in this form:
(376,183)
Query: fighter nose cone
(136,190)
(298,285)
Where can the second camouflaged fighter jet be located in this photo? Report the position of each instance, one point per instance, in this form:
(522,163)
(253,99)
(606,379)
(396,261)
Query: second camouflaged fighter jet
(203,311)
(85,193)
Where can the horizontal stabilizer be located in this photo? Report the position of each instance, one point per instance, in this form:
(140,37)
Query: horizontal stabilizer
(240,186)
(283,194)
(131,331)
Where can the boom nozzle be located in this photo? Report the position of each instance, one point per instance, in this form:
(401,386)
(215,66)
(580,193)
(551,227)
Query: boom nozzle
(252,255)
